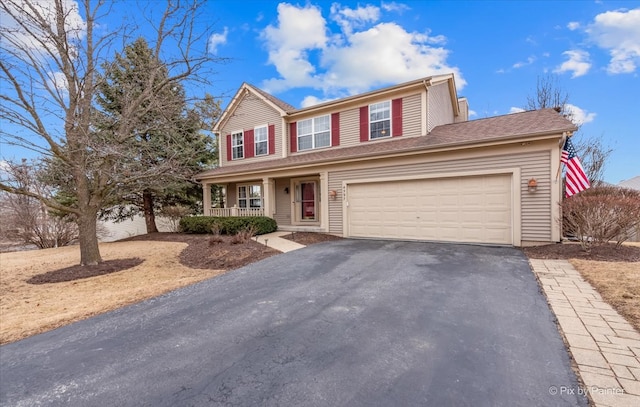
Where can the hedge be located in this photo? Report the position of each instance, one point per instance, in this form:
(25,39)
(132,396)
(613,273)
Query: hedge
(227,225)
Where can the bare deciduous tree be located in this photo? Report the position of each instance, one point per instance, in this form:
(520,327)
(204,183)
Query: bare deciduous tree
(592,150)
(49,72)
(28,219)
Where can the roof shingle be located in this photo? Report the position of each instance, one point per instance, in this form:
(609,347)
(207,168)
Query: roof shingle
(507,127)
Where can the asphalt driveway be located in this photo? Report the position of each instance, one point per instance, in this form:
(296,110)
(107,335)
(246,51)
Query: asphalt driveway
(358,323)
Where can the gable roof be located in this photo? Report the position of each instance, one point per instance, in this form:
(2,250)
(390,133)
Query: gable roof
(277,104)
(632,183)
(494,129)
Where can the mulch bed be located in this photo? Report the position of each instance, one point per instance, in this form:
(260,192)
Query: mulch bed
(79,272)
(202,252)
(307,238)
(607,252)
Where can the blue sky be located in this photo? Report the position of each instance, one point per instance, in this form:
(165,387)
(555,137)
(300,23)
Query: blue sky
(320,50)
(314,51)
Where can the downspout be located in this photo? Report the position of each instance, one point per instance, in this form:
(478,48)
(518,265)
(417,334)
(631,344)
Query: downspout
(426,128)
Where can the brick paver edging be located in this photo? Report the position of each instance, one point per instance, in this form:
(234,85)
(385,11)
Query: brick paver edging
(605,347)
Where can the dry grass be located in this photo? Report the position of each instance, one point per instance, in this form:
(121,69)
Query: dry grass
(27,309)
(617,282)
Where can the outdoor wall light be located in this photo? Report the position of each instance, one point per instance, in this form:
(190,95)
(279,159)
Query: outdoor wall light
(286,190)
(333,194)
(533,185)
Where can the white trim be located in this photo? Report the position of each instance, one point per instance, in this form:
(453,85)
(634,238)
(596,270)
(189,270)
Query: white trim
(516,201)
(312,134)
(255,154)
(295,219)
(241,132)
(378,121)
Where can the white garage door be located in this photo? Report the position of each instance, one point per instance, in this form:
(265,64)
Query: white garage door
(463,209)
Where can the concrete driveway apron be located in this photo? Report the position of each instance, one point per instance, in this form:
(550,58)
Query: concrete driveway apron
(350,322)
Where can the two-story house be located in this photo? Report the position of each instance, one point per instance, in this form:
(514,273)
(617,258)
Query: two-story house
(403,162)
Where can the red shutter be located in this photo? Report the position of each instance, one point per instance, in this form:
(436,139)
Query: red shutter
(229,156)
(396,117)
(248,144)
(293,137)
(335,129)
(364,123)
(272,139)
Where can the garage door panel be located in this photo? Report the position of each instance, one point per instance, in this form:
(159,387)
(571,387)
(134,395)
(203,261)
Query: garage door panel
(464,209)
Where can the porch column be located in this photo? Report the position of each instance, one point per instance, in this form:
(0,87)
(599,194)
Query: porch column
(206,199)
(324,201)
(268,191)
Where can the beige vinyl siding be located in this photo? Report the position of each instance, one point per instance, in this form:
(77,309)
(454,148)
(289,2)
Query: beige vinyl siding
(283,202)
(251,112)
(350,128)
(350,121)
(411,108)
(536,208)
(440,109)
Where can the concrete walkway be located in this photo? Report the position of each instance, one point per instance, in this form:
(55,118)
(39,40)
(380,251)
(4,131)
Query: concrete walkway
(605,347)
(275,241)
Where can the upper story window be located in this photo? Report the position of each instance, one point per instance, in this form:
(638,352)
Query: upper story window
(314,133)
(380,120)
(261,140)
(237,146)
(250,196)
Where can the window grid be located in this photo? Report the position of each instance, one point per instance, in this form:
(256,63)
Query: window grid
(237,146)
(314,133)
(261,143)
(250,196)
(380,120)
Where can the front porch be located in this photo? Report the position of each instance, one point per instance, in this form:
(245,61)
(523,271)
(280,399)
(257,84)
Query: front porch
(297,202)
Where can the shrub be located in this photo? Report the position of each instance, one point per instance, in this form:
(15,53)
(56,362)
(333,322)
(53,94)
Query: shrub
(244,235)
(174,213)
(601,214)
(230,225)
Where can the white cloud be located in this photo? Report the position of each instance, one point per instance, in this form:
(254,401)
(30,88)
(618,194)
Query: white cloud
(75,26)
(579,116)
(573,25)
(472,113)
(312,101)
(58,81)
(348,18)
(578,63)
(217,39)
(619,33)
(529,61)
(516,110)
(345,62)
(393,6)
(299,30)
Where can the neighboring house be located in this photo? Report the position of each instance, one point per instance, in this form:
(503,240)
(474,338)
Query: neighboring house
(632,183)
(401,162)
(110,231)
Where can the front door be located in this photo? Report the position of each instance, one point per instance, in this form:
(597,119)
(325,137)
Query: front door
(306,201)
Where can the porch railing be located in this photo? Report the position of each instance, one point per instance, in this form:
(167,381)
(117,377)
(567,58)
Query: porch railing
(235,211)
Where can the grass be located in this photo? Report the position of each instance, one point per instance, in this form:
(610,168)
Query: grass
(617,282)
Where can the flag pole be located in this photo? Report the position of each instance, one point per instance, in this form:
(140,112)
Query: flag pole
(562,141)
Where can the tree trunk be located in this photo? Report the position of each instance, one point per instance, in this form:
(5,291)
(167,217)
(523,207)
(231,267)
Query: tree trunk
(88,238)
(149,215)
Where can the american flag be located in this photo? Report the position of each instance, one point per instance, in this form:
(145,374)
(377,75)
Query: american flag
(575,180)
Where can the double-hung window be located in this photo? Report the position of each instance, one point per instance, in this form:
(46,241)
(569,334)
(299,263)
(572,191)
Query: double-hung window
(237,146)
(380,120)
(250,196)
(314,133)
(261,140)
